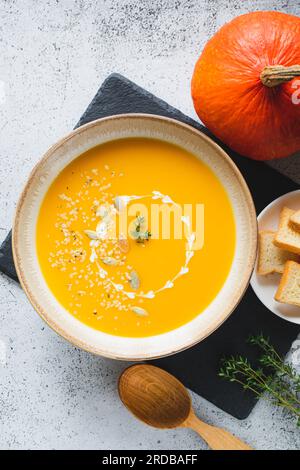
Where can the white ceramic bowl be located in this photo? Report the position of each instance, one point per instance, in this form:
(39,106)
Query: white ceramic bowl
(24,234)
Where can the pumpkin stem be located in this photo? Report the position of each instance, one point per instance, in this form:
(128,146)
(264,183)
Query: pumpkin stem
(274,75)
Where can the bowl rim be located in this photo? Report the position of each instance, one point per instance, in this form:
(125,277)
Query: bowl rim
(236,298)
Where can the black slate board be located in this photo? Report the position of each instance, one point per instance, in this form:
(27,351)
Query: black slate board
(198,366)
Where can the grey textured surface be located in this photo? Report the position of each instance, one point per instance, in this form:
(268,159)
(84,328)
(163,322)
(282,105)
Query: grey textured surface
(54,55)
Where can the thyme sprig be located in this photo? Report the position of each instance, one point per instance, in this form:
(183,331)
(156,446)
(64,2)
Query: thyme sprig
(138,233)
(276,380)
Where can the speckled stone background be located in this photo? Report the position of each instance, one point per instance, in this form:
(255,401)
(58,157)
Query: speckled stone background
(53,57)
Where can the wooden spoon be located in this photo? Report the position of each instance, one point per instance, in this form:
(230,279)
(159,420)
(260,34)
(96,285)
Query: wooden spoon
(157,398)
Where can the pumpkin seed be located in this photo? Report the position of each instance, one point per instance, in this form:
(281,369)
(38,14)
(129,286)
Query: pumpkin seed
(110,261)
(134,280)
(140,311)
(91,234)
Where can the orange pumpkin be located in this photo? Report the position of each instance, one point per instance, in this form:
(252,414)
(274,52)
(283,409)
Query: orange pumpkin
(245,87)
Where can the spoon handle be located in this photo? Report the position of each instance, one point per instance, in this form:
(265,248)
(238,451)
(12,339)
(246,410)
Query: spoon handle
(216,438)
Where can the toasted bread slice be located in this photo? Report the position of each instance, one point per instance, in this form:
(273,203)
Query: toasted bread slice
(286,237)
(272,259)
(288,291)
(295,221)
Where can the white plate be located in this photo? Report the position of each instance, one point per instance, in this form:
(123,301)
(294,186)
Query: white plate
(265,287)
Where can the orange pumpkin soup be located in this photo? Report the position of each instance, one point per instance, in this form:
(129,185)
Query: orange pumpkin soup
(135,237)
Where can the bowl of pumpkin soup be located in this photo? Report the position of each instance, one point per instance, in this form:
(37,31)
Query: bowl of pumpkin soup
(135,237)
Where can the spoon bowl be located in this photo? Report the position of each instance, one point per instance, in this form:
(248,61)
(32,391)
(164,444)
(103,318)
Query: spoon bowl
(158,399)
(154,396)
